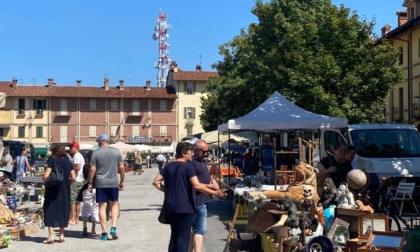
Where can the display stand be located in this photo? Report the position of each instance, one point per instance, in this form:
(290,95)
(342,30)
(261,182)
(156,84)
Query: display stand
(301,153)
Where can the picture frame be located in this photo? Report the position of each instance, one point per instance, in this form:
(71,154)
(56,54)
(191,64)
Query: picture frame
(372,222)
(339,232)
(386,240)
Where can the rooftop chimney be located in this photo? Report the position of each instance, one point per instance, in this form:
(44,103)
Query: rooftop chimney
(386,29)
(174,66)
(402,17)
(14,83)
(148,84)
(198,68)
(106,83)
(79,83)
(121,85)
(50,82)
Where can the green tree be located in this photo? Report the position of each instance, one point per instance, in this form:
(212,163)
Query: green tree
(320,56)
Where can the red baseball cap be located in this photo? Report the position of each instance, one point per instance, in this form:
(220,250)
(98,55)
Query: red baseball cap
(75,145)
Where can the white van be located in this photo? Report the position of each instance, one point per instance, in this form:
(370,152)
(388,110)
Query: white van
(382,149)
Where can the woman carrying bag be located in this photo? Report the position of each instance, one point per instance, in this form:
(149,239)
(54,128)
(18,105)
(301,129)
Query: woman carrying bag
(179,185)
(57,197)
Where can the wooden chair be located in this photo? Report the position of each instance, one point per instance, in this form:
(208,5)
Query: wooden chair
(404,193)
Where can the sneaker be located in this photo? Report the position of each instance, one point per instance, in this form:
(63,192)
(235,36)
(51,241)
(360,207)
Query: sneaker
(104,237)
(113,233)
(85,233)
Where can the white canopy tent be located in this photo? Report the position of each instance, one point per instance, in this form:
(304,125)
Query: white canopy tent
(278,113)
(142,147)
(214,137)
(124,148)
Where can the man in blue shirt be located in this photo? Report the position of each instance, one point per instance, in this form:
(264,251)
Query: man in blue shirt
(201,151)
(22,165)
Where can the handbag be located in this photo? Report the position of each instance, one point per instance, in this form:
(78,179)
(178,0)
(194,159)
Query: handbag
(163,215)
(56,176)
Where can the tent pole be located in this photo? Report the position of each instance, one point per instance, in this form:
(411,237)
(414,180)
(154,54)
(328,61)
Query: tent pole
(218,163)
(229,177)
(274,165)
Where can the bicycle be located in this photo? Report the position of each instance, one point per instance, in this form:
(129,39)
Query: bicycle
(387,207)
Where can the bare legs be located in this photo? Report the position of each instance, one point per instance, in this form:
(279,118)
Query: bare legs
(74,213)
(102,216)
(115,209)
(93,231)
(51,235)
(196,242)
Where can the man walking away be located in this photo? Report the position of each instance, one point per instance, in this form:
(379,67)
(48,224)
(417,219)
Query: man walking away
(105,164)
(78,163)
(160,160)
(201,151)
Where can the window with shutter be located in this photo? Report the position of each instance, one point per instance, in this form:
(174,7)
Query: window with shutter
(92,131)
(163,105)
(63,107)
(21,131)
(39,131)
(190,88)
(163,131)
(21,106)
(92,104)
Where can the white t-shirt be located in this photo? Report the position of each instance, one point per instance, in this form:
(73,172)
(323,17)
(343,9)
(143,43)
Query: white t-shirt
(79,159)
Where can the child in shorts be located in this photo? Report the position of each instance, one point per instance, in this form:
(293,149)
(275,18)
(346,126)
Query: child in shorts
(90,207)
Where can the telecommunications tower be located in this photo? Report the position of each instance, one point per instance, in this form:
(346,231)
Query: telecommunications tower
(163,62)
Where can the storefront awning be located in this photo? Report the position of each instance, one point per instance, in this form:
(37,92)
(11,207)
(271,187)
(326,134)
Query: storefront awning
(41,150)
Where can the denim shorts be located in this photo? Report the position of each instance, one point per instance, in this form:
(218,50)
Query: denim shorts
(200,222)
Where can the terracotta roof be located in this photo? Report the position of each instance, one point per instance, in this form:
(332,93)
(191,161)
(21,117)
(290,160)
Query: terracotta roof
(194,75)
(68,91)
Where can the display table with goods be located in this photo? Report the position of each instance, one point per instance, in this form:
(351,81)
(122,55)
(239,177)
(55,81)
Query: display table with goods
(292,217)
(19,222)
(19,216)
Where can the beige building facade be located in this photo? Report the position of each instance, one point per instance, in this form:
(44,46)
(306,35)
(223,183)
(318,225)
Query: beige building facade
(403,102)
(190,88)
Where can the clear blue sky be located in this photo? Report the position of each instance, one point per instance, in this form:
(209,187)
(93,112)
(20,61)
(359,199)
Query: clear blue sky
(69,40)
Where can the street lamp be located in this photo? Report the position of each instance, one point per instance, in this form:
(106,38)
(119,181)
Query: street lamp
(160,143)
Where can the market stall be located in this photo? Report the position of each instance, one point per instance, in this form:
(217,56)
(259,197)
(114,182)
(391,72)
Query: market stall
(295,219)
(20,216)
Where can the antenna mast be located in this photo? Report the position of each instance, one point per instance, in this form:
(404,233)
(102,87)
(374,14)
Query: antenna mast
(163,62)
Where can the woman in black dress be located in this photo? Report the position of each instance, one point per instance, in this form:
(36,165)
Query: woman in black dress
(57,198)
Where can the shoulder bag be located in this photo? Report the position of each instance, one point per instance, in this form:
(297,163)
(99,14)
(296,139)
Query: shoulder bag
(56,176)
(163,215)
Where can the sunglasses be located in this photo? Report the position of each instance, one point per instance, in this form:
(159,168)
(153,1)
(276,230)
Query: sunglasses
(205,152)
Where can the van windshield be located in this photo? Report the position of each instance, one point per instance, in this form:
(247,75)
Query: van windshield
(387,143)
